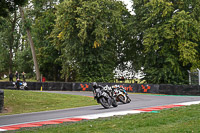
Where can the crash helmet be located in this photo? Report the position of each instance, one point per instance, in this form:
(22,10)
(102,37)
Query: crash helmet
(94,84)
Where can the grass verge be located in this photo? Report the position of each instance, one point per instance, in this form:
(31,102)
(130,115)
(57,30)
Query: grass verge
(19,101)
(182,119)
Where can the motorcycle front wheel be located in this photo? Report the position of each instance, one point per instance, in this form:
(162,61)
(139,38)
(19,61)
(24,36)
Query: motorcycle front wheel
(128,99)
(105,102)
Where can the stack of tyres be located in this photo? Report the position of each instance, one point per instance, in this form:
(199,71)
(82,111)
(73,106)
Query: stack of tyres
(1,100)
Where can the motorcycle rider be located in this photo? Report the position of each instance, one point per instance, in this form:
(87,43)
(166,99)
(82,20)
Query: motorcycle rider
(20,85)
(17,83)
(108,98)
(94,84)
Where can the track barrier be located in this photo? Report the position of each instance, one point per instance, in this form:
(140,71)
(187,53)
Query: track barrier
(135,88)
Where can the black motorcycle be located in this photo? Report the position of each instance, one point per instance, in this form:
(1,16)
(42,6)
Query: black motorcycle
(104,96)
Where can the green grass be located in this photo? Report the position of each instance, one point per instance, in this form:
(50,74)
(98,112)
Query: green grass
(14,79)
(18,101)
(177,120)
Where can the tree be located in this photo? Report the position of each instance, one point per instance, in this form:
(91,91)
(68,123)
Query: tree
(14,37)
(4,54)
(47,54)
(32,45)
(88,33)
(9,33)
(167,32)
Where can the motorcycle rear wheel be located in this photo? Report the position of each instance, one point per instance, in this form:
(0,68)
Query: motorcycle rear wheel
(114,103)
(128,99)
(122,99)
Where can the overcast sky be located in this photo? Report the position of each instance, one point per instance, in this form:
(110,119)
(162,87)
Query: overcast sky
(128,4)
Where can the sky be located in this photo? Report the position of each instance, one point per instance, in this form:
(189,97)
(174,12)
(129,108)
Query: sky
(128,4)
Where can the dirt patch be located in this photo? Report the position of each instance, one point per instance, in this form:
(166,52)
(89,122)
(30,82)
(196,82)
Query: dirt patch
(6,110)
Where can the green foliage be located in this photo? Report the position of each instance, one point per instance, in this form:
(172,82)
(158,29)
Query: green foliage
(47,54)
(86,33)
(3,60)
(169,35)
(23,62)
(7,6)
(84,40)
(4,46)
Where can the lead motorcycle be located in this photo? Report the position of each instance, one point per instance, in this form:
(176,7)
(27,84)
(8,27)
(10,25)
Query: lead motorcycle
(121,95)
(104,96)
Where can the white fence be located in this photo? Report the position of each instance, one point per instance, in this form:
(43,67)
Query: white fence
(194,77)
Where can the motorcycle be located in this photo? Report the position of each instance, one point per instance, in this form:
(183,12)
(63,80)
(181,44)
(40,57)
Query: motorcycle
(121,95)
(103,95)
(20,85)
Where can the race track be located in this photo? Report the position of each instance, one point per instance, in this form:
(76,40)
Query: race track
(139,101)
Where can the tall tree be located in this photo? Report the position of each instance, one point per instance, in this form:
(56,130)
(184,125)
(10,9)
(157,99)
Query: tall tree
(167,31)
(87,32)
(47,54)
(32,45)
(4,47)
(8,10)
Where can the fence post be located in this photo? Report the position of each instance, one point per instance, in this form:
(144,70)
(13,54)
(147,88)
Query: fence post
(189,76)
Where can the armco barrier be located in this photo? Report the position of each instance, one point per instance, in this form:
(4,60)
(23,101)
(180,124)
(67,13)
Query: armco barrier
(136,88)
(1,100)
(59,86)
(179,89)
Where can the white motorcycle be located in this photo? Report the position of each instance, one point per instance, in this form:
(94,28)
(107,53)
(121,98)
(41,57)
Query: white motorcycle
(20,85)
(121,94)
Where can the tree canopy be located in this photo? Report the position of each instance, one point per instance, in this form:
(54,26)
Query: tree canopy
(85,40)
(168,34)
(87,33)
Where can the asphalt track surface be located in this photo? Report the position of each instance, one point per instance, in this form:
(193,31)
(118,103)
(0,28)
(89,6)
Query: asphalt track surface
(139,101)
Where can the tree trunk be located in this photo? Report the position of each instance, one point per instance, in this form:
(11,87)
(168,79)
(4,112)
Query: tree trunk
(11,41)
(32,46)
(10,61)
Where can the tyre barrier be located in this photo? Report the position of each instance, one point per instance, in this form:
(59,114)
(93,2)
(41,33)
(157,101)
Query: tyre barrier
(135,88)
(1,100)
